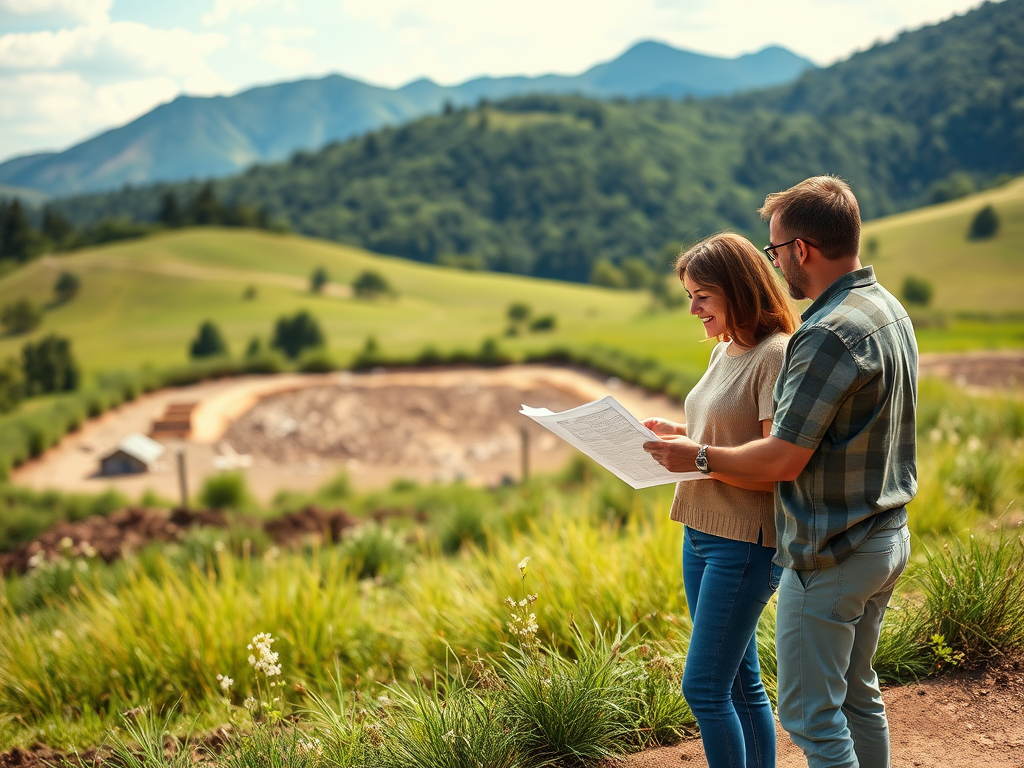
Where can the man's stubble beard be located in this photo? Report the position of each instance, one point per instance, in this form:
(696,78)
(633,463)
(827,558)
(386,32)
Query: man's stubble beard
(797,280)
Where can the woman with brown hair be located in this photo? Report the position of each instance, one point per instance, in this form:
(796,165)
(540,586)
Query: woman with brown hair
(729,534)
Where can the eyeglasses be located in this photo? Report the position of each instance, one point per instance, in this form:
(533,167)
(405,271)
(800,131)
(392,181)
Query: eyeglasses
(769,250)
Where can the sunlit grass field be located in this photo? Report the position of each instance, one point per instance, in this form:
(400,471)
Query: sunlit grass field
(142,301)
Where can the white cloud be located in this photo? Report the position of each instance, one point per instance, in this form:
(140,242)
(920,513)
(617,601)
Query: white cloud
(48,109)
(121,47)
(223,10)
(288,57)
(284,34)
(58,10)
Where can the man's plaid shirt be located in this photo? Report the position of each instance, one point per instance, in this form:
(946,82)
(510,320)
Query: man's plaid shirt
(848,390)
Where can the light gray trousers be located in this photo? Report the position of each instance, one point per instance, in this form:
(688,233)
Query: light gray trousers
(826,635)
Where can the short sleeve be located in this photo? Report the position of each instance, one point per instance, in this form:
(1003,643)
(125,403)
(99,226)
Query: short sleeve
(767,374)
(819,375)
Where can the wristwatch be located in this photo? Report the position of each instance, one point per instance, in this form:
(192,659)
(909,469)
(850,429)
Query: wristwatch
(702,460)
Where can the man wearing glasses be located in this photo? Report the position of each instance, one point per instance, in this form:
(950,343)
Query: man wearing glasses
(842,453)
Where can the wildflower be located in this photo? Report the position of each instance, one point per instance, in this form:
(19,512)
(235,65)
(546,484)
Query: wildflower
(225,682)
(250,704)
(87,549)
(36,560)
(66,543)
(266,662)
(522,566)
(311,746)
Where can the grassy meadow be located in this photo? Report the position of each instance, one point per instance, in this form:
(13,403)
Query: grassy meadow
(398,645)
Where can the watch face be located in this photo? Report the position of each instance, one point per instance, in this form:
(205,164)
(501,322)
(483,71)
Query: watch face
(702,461)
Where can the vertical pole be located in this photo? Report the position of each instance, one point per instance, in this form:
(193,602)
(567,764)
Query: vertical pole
(524,434)
(182,481)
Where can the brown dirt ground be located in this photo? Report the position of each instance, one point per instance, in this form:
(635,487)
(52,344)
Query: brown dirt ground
(970,718)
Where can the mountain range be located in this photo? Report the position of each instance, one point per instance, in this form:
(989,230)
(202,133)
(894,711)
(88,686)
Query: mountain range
(194,137)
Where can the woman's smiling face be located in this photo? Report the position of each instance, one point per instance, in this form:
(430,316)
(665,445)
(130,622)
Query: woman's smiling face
(708,305)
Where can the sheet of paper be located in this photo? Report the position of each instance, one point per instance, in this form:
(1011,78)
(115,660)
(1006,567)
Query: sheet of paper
(611,436)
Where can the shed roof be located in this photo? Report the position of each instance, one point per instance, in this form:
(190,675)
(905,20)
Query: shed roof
(140,447)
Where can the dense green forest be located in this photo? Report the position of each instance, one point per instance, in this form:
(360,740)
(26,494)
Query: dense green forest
(549,185)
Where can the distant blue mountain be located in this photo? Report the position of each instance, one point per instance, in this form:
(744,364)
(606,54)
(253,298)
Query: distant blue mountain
(208,137)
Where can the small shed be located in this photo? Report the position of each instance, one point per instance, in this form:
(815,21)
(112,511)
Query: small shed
(133,455)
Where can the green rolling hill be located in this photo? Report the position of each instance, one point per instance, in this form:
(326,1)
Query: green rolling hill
(142,301)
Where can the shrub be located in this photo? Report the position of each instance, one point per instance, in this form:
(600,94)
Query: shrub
(369,284)
(543,323)
(49,366)
(21,316)
(208,342)
(318,280)
(294,334)
(985,224)
(917,290)
(225,491)
(563,712)
(12,385)
(606,274)
(67,286)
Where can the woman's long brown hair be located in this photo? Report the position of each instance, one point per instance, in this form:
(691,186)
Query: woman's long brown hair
(756,306)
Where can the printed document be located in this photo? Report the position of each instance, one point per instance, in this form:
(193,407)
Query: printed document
(611,436)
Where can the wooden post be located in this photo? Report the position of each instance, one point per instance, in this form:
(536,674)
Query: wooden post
(182,480)
(524,434)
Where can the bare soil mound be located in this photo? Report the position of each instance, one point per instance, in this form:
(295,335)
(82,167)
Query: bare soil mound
(449,428)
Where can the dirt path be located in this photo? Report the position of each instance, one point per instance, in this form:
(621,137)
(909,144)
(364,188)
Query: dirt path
(296,431)
(968,719)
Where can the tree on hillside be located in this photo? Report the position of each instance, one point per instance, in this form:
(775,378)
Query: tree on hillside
(208,342)
(67,286)
(21,316)
(369,284)
(12,384)
(917,290)
(56,227)
(17,238)
(205,210)
(636,273)
(49,366)
(606,274)
(318,280)
(985,224)
(170,212)
(294,334)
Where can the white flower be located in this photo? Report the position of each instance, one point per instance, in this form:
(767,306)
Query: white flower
(225,682)
(522,565)
(267,661)
(250,704)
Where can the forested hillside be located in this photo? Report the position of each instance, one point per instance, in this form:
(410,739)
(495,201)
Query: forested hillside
(548,185)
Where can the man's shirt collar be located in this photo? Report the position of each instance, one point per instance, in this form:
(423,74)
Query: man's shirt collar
(859,278)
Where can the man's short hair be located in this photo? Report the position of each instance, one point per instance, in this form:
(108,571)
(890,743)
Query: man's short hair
(822,210)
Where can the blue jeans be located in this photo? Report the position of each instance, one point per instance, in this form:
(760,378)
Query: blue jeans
(826,634)
(728,583)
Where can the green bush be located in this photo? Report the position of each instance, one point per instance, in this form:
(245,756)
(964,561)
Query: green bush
(209,342)
(227,490)
(985,224)
(295,334)
(21,316)
(917,290)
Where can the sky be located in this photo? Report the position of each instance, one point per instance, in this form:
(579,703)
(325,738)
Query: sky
(70,69)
